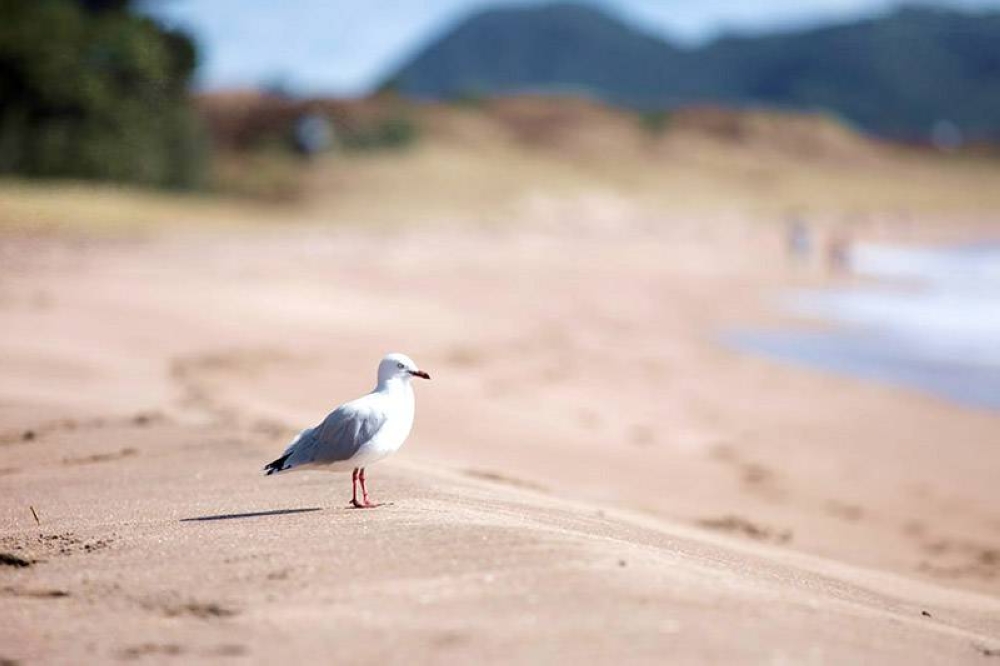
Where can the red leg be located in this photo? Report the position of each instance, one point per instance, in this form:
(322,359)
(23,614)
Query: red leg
(354,489)
(364,490)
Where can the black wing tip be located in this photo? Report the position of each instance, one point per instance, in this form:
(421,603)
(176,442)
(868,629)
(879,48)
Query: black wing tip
(275,465)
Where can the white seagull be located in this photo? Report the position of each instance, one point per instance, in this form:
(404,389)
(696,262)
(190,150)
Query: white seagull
(359,432)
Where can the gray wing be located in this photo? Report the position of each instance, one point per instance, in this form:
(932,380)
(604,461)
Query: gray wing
(337,438)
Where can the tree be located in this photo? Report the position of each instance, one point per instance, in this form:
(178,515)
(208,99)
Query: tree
(91,90)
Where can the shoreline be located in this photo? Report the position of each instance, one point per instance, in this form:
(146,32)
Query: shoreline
(916,322)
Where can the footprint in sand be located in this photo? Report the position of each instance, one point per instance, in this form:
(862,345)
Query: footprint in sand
(49,545)
(100,457)
(151,649)
(960,559)
(743,527)
(496,477)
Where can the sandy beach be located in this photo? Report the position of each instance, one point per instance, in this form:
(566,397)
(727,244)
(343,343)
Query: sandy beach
(592,475)
(703,303)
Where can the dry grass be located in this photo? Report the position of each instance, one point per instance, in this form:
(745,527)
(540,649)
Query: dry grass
(59,206)
(484,165)
(683,173)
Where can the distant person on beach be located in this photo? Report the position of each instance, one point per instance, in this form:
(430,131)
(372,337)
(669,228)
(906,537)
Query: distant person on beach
(798,239)
(838,252)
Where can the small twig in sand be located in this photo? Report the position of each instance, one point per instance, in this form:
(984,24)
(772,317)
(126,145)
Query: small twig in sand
(37,522)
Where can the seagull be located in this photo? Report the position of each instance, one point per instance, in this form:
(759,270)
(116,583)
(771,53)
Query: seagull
(359,432)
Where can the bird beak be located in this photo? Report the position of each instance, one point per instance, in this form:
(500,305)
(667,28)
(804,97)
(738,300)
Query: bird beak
(420,373)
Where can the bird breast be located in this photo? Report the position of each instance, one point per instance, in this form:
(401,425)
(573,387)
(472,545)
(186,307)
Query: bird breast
(400,407)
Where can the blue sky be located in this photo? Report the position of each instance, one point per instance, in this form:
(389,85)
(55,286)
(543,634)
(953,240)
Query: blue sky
(344,47)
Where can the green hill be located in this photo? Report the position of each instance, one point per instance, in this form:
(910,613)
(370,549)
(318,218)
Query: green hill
(895,75)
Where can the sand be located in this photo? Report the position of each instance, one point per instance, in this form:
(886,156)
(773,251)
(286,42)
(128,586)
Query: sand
(593,477)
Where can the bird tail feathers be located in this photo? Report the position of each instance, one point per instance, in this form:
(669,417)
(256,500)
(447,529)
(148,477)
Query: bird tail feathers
(276,466)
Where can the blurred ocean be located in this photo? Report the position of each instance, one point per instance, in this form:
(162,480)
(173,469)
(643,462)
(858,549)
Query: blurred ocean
(931,323)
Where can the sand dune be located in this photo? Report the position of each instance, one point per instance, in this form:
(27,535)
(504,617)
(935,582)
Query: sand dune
(592,477)
(180,550)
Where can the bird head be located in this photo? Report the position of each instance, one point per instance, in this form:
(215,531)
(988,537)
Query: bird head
(399,366)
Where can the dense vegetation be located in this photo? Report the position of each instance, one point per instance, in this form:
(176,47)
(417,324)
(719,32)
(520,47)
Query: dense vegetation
(89,89)
(896,75)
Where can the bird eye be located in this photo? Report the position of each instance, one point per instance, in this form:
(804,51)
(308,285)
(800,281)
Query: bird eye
(399,365)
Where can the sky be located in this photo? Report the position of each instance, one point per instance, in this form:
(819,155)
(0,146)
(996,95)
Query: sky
(346,47)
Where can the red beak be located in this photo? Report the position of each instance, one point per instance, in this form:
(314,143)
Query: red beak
(420,373)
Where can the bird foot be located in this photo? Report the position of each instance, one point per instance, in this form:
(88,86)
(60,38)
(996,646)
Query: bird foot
(364,505)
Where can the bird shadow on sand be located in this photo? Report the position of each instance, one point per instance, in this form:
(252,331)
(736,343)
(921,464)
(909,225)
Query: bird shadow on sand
(254,514)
